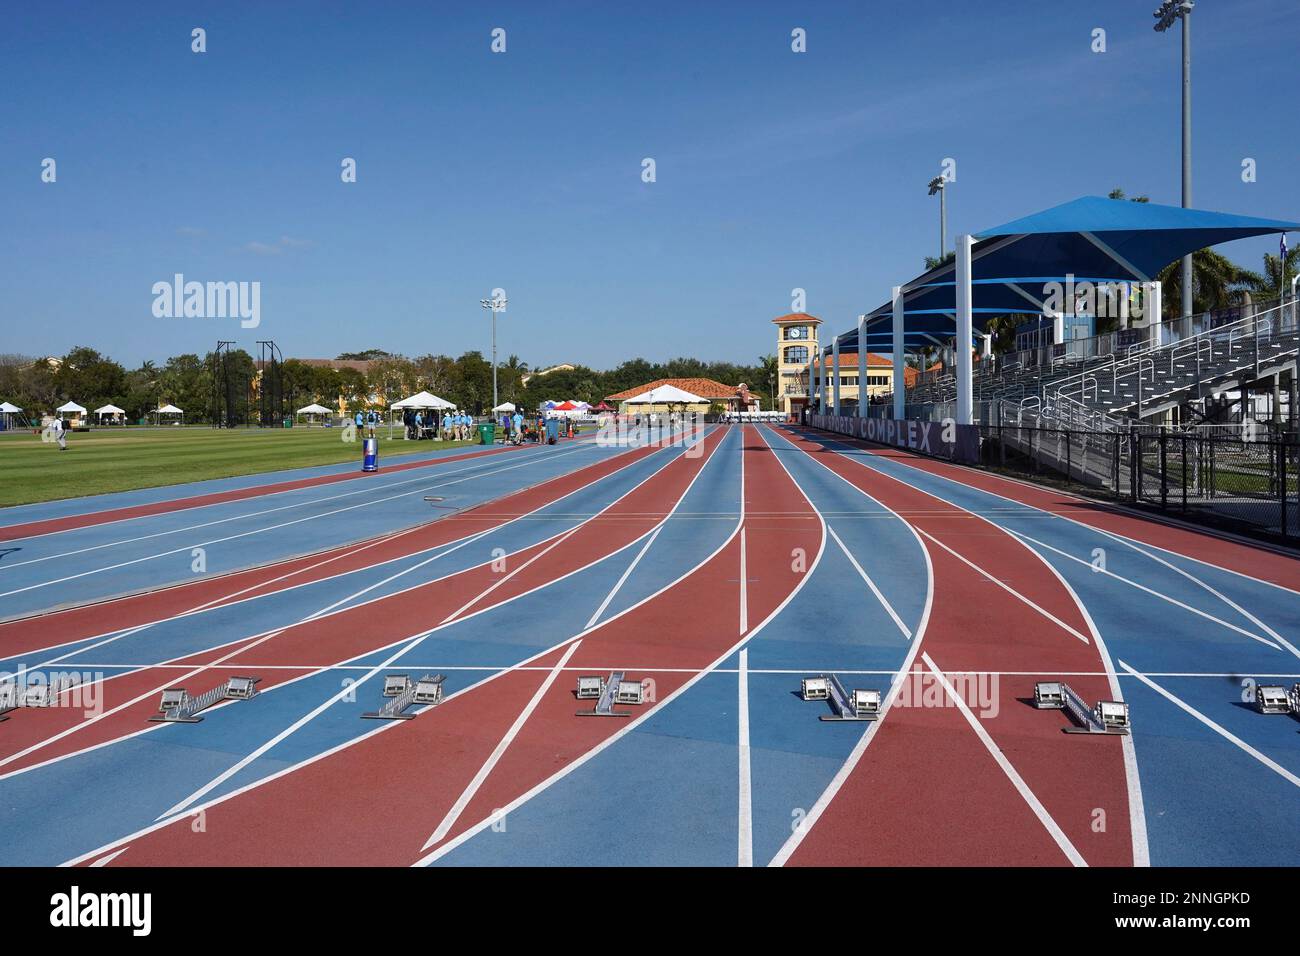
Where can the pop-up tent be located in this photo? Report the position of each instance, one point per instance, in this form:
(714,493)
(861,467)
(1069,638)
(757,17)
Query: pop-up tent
(313,409)
(70,408)
(169,410)
(8,412)
(505,407)
(110,410)
(417,402)
(666,395)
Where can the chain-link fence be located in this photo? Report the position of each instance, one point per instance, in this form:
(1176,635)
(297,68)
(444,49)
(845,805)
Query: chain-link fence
(1221,477)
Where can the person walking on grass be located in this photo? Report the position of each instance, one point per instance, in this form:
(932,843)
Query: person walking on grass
(60,434)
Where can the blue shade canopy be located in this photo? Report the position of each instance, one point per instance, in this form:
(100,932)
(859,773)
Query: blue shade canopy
(1091,238)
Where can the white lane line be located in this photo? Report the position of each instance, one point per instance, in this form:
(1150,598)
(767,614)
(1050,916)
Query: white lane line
(1147,590)
(870,583)
(402,649)
(623,578)
(745,826)
(1010,590)
(1204,584)
(385,726)
(262,530)
(560,774)
(105,860)
(1236,741)
(472,788)
(1017,781)
(260,639)
(793,842)
(744,587)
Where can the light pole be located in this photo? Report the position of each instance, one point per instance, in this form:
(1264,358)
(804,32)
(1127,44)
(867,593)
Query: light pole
(938,185)
(1170,11)
(497,304)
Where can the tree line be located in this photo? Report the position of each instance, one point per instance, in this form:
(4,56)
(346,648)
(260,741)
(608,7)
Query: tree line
(92,379)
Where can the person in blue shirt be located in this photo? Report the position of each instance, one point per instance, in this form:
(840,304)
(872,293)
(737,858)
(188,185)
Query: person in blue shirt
(360,420)
(446,426)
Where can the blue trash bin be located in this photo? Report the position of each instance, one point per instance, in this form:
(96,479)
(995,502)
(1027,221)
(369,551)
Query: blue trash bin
(370,454)
(552,431)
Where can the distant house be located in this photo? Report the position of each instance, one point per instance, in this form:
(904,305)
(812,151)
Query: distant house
(706,388)
(547,371)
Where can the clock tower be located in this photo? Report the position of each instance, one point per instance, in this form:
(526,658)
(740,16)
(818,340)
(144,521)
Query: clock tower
(796,344)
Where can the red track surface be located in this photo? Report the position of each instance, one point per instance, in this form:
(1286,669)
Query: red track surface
(319,815)
(51,525)
(929,793)
(45,630)
(340,637)
(1265,565)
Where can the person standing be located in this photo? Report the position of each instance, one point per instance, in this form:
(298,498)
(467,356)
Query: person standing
(60,434)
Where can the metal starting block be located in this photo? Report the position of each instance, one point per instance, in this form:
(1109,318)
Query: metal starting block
(614,690)
(1108,717)
(402,692)
(14,695)
(177,706)
(862,704)
(1276,699)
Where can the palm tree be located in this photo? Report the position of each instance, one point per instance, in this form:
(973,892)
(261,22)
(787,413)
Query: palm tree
(1266,286)
(1216,283)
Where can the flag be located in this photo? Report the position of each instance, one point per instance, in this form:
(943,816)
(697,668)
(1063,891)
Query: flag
(1282,246)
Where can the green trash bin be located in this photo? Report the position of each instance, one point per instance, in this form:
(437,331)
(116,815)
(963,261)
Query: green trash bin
(487,433)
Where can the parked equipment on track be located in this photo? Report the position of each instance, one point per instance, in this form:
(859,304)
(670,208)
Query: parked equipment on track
(1276,699)
(177,706)
(1108,717)
(862,704)
(402,692)
(609,691)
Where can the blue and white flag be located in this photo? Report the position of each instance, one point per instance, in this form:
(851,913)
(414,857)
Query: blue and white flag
(1282,246)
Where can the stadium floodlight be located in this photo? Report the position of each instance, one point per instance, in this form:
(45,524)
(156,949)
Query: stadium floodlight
(816,688)
(1166,15)
(1272,699)
(172,698)
(939,185)
(1049,694)
(495,304)
(590,688)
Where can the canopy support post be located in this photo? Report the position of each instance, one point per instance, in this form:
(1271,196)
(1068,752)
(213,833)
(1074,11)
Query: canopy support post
(862,366)
(965,391)
(900,378)
(835,371)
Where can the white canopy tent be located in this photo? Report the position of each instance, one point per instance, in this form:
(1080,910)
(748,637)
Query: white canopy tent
(313,409)
(70,408)
(112,410)
(7,412)
(505,407)
(418,401)
(169,410)
(666,395)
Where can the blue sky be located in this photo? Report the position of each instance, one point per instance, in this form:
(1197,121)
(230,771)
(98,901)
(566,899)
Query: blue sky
(522,170)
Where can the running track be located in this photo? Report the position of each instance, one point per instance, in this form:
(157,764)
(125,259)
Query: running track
(721,571)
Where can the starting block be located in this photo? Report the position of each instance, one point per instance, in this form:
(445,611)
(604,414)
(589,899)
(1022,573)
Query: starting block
(403,692)
(13,696)
(611,691)
(862,704)
(1276,699)
(177,706)
(8,698)
(1108,717)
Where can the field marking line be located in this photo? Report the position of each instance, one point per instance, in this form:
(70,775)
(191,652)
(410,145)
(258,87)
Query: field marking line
(745,815)
(1233,739)
(1017,781)
(907,633)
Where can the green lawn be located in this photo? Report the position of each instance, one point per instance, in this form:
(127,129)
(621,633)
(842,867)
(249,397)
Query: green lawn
(121,459)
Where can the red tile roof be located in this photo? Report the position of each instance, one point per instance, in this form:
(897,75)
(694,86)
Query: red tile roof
(798,317)
(703,387)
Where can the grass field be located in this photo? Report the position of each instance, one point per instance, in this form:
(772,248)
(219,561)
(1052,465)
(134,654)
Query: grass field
(107,460)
